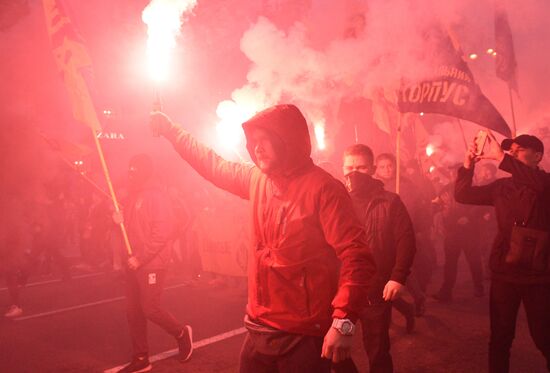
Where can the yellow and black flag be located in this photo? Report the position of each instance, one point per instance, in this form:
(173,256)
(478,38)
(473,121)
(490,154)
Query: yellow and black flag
(451,90)
(73,62)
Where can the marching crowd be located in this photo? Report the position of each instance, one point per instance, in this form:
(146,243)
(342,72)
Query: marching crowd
(324,254)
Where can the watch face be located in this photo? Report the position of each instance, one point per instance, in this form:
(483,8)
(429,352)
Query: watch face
(346,327)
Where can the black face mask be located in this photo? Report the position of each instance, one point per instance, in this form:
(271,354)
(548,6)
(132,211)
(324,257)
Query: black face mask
(357,182)
(140,170)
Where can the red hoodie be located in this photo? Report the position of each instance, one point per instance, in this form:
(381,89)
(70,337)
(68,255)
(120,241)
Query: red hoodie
(309,249)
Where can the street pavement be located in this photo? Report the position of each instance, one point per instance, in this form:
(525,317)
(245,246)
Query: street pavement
(80,326)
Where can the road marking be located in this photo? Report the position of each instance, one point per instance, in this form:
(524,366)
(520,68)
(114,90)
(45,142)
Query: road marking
(32,284)
(80,306)
(196,345)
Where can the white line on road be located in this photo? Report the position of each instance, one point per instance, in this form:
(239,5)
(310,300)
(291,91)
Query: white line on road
(61,310)
(196,345)
(29,285)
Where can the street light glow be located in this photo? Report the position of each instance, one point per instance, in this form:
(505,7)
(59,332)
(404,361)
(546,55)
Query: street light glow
(430,150)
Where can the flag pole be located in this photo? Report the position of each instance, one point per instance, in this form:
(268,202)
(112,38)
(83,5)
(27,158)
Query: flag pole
(513,112)
(85,177)
(398,153)
(112,191)
(71,166)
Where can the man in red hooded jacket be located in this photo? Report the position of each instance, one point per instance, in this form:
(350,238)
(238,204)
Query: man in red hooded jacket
(308,265)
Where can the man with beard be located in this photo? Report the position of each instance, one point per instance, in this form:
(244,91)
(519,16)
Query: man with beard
(308,265)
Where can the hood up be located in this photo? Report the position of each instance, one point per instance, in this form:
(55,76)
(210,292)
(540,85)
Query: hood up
(289,129)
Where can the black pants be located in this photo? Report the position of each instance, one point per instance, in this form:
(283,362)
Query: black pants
(375,323)
(424,262)
(473,257)
(305,357)
(505,300)
(143,291)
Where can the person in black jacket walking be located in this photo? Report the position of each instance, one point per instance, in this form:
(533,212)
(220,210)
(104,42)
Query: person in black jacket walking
(150,225)
(520,256)
(391,235)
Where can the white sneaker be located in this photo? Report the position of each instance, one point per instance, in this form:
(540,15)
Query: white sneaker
(14,311)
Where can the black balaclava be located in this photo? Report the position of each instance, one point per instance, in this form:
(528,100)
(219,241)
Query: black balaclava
(140,170)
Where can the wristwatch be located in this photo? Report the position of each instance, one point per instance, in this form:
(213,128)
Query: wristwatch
(344,326)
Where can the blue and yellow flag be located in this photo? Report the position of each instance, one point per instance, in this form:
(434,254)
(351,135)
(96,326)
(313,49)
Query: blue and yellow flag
(73,61)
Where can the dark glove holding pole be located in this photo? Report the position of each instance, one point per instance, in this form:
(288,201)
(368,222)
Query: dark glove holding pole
(159,123)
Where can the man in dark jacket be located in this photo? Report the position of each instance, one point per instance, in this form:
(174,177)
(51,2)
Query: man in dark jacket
(308,265)
(416,194)
(520,257)
(150,225)
(391,235)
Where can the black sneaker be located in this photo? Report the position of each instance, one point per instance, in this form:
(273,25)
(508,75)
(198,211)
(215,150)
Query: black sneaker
(138,364)
(185,344)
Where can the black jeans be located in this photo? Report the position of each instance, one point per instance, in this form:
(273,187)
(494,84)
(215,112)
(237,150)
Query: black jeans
(305,357)
(452,254)
(143,291)
(505,300)
(375,322)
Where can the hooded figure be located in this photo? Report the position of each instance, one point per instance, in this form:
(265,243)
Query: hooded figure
(308,264)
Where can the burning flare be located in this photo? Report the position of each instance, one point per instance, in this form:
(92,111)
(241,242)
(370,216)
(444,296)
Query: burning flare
(163,19)
(319,130)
